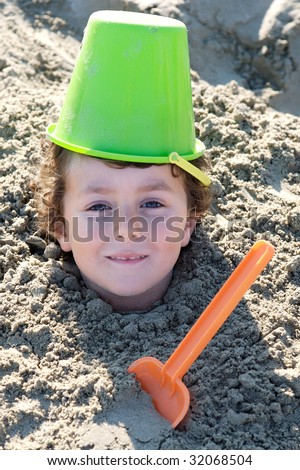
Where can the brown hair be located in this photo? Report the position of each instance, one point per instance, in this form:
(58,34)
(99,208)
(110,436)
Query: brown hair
(49,186)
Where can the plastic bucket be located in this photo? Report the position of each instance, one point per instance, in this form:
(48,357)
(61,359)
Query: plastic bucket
(130,96)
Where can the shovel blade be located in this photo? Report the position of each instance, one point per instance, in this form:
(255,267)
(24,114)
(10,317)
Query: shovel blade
(170,398)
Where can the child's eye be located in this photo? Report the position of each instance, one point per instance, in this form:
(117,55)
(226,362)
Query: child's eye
(152,204)
(100,208)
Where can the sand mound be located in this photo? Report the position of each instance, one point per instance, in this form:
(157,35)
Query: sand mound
(64,353)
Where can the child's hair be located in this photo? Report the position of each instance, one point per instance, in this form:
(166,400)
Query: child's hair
(49,186)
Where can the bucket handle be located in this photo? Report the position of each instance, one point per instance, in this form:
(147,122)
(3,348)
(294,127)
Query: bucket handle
(187,166)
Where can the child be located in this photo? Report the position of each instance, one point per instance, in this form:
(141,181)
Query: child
(124,217)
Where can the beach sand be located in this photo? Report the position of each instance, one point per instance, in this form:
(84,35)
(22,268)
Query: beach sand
(64,353)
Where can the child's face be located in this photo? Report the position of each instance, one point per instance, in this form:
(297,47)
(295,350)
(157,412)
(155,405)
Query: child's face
(126,226)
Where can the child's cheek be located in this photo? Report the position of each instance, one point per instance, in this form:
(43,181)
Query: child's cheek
(170,230)
(86,229)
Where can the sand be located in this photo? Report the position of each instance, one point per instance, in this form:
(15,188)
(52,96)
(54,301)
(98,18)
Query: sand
(64,352)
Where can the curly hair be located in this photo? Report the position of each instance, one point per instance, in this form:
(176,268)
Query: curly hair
(49,186)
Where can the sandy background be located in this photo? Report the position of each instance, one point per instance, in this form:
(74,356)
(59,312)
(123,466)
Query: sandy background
(63,352)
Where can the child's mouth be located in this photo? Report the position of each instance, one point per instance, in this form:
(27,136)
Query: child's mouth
(133,259)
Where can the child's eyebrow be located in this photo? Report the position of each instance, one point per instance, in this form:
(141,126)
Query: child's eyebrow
(96,188)
(155,186)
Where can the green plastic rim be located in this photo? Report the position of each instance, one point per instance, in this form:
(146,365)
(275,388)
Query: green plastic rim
(200,148)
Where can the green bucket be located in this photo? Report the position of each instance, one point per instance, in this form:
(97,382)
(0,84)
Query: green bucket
(130,96)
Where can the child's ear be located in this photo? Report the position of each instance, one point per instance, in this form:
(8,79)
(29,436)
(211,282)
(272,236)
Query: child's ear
(61,235)
(189,228)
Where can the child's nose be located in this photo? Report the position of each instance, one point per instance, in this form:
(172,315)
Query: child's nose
(129,225)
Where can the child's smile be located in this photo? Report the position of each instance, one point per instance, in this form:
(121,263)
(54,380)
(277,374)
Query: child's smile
(127,258)
(125,227)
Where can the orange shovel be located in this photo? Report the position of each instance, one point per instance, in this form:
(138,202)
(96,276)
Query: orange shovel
(163,381)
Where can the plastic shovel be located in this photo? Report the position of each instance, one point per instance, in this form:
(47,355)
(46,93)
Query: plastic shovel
(163,382)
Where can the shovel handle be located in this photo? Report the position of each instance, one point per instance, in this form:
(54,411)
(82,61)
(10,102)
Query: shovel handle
(218,310)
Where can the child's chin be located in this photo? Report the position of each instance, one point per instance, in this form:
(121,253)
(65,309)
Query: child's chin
(120,291)
(129,292)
